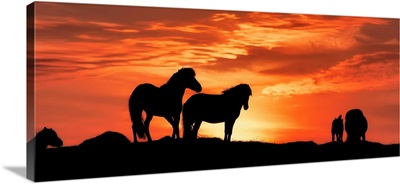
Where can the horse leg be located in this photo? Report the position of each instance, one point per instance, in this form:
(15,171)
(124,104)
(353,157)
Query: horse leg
(195,130)
(147,125)
(187,128)
(341,137)
(172,122)
(228,130)
(175,126)
(134,134)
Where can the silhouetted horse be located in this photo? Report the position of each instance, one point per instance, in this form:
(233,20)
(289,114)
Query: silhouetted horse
(337,129)
(165,101)
(44,138)
(215,108)
(356,125)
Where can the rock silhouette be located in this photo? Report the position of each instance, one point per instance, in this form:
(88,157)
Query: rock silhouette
(106,139)
(337,129)
(215,108)
(164,101)
(356,125)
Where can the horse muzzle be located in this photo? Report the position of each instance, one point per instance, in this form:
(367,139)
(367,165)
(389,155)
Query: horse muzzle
(58,144)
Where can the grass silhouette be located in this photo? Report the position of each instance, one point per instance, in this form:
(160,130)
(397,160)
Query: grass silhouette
(168,155)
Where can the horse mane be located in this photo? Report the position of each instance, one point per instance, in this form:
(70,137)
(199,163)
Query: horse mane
(182,73)
(44,131)
(242,89)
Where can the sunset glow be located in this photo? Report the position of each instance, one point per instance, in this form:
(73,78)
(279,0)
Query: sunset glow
(304,70)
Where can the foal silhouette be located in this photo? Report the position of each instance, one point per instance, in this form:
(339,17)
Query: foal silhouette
(215,108)
(164,101)
(337,129)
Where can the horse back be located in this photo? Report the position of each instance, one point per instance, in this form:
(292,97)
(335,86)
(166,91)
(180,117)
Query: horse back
(204,101)
(143,89)
(211,108)
(155,100)
(356,121)
(143,93)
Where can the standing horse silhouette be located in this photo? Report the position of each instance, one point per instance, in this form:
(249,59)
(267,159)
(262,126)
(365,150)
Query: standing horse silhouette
(337,129)
(356,125)
(164,101)
(44,138)
(214,108)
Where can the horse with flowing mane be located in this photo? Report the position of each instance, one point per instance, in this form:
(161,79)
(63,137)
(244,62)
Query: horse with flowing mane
(337,129)
(164,101)
(44,138)
(215,108)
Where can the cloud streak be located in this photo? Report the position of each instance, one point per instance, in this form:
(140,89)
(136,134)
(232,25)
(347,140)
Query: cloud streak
(207,39)
(361,72)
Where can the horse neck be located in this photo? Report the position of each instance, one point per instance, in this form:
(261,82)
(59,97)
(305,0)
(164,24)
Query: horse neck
(232,99)
(174,91)
(40,141)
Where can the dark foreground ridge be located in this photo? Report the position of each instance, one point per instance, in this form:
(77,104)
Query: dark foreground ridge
(167,155)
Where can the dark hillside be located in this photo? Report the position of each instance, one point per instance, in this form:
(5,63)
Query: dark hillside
(167,155)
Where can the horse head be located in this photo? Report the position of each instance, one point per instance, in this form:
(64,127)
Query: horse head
(186,78)
(339,119)
(246,95)
(242,92)
(50,137)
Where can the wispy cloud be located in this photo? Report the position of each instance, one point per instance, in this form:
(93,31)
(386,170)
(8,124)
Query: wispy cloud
(207,41)
(88,37)
(361,72)
(123,30)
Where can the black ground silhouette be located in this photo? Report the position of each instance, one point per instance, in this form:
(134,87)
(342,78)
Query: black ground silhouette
(169,155)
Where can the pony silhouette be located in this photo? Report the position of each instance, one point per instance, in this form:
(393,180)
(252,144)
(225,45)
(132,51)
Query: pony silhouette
(215,108)
(164,101)
(337,129)
(44,138)
(356,125)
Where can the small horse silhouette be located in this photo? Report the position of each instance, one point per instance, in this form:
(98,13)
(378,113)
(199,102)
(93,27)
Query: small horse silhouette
(214,108)
(165,101)
(337,129)
(44,138)
(356,125)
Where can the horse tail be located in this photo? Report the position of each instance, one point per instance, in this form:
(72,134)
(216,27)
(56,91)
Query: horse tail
(135,111)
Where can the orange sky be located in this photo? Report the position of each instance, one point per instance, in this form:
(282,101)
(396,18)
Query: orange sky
(304,70)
